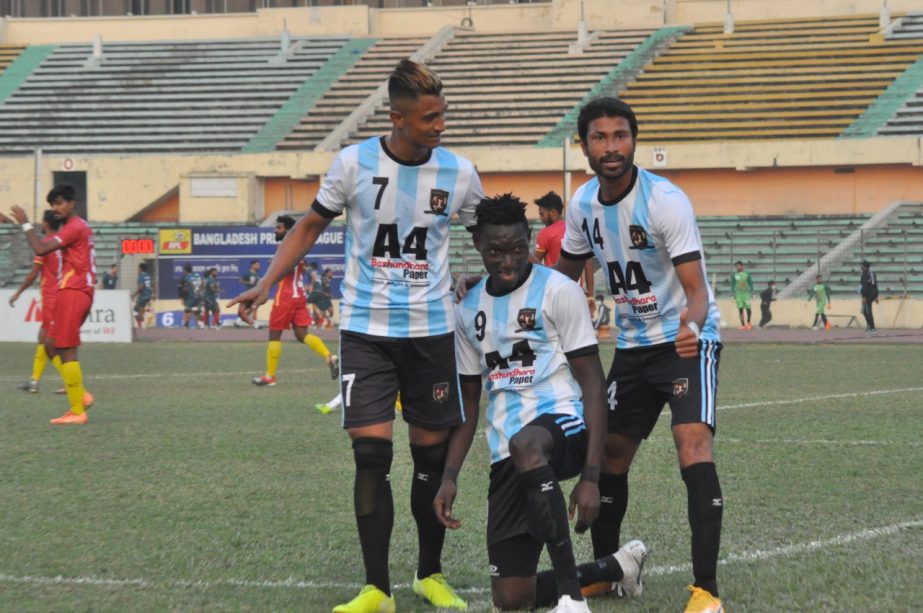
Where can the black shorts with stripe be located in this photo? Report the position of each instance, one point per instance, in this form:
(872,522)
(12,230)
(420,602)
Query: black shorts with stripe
(642,380)
(375,368)
(512,549)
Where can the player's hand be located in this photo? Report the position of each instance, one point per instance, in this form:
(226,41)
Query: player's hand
(442,504)
(687,341)
(463,284)
(19,214)
(14,298)
(249,301)
(584,500)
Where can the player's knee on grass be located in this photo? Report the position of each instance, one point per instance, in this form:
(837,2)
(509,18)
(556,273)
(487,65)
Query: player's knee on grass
(373,458)
(513,593)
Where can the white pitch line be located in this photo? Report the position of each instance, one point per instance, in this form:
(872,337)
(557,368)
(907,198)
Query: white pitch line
(769,403)
(734,558)
(795,548)
(822,441)
(222,373)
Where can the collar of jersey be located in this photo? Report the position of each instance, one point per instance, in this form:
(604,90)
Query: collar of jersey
(522,281)
(384,147)
(620,197)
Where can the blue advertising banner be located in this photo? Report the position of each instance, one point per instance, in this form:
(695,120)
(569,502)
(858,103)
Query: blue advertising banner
(231,249)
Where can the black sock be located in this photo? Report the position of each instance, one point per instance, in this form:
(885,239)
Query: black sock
(613,498)
(374,507)
(548,518)
(749,315)
(428,462)
(606,570)
(706,507)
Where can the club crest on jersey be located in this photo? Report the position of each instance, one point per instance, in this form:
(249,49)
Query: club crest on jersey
(441,392)
(526,320)
(438,201)
(680,386)
(639,238)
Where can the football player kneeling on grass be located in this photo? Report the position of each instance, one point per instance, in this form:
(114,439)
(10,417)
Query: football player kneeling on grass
(525,334)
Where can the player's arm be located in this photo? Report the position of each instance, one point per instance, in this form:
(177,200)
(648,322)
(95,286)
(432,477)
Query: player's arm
(588,371)
(692,279)
(296,244)
(27,282)
(571,265)
(38,247)
(588,276)
(459,443)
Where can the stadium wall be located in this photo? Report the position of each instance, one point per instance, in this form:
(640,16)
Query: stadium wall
(755,178)
(364,21)
(891,312)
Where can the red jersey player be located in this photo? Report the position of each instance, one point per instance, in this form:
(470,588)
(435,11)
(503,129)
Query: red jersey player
(75,292)
(290,309)
(49,268)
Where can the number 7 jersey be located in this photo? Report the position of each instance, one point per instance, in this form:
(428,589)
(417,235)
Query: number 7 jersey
(639,240)
(396,283)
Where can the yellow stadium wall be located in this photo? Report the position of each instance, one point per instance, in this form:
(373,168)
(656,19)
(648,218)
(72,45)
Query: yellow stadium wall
(365,21)
(757,178)
(798,191)
(284,194)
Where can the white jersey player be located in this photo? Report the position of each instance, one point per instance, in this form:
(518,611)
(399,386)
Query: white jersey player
(642,229)
(396,328)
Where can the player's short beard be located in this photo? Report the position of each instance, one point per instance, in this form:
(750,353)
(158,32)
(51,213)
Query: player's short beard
(627,163)
(279,237)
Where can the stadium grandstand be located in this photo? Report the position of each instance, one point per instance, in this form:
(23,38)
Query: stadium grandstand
(795,137)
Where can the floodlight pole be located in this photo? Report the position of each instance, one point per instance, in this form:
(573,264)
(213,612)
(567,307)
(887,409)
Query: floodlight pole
(729,20)
(567,177)
(37,177)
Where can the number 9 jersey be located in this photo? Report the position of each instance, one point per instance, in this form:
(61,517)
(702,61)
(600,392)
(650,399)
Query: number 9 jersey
(519,344)
(396,283)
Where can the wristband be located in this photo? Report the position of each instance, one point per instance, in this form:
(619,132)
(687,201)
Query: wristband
(695,329)
(26,227)
(590,473)
(450,474)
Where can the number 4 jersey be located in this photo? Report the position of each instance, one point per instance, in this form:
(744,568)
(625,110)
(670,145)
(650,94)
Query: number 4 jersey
(639,240)
(397,281)
(519,343)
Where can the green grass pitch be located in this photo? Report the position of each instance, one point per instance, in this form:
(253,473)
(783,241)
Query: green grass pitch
(191,489)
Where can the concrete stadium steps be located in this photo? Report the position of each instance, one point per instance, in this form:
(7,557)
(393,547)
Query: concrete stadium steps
(8,54)
(506,89)
(799,78)
(910,26)
(773,247)
(157,97)
(349,91)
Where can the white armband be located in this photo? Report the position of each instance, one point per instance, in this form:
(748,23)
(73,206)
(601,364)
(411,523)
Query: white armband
(695,329)
(26,227)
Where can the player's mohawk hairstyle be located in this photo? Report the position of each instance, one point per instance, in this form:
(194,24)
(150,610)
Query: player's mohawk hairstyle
(503,210)
(410,80)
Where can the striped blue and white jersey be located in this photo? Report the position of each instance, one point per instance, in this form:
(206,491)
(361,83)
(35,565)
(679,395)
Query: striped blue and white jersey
(518,343)
(397,279)
(639,240)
